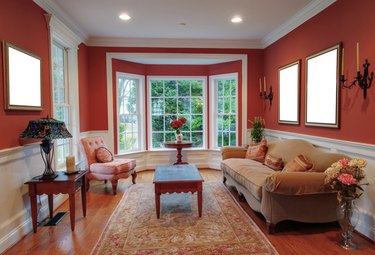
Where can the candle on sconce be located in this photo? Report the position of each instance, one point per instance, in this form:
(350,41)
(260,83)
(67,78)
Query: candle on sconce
(260,85)
(342,62)
(70,164)
(265,86)
(357,57)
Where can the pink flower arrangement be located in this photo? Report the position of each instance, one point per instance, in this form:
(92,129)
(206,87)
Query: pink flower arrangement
(177,124)
(344,176)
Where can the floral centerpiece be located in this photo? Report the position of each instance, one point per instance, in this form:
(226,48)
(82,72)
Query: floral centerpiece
(344,176)
(258,128)
(177,125)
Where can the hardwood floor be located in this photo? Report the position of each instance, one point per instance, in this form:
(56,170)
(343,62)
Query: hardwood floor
(291,238)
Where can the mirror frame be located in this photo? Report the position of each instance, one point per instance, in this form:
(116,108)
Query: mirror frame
(294,82)
(313,83)
(19,67)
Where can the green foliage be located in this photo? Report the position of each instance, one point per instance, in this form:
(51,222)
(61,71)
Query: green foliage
(258,128)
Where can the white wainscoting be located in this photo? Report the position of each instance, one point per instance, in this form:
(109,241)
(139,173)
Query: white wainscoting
(17,166)
(366,203)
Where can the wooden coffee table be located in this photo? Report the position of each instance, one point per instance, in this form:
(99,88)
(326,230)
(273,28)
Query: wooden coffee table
(177,179)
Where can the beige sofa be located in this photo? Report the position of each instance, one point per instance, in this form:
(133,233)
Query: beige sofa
(298,196)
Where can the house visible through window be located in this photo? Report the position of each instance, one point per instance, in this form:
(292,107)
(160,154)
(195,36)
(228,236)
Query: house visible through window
(173,98)
(61,106)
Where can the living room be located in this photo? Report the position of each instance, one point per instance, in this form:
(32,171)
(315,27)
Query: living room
(94,64)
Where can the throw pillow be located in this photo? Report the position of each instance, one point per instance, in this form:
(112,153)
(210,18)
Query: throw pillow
(274,162)
(103,155)
(299,164)
(257,152)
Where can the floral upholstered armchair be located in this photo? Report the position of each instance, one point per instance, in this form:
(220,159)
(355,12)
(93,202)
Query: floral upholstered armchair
(101,164)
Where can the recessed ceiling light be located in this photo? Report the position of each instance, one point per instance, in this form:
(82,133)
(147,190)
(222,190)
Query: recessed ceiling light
(124,16)
(236,19)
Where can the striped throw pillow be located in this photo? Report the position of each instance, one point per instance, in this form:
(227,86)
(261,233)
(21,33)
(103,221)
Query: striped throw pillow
(274,162)
(299,164)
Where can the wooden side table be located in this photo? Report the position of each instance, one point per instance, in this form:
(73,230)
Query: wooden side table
(179,146)
(65,184)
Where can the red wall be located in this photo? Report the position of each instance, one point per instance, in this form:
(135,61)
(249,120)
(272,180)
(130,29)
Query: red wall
(22,23)
(345,21)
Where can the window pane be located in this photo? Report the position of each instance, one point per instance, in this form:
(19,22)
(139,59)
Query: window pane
(227,88)
(197,123)
(170,136)
(220,87)
(197,138)
(196,88)
(232,139)
(233,107)
(157,88)
(183,88)
(157,123)
(157,140)
(226,104)
(170,89)
(170,105)
(183,105)
(197,104)
(168,120)
(233,123)
(157,106)
(233,87)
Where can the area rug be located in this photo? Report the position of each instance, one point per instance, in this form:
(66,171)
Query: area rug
(224,227)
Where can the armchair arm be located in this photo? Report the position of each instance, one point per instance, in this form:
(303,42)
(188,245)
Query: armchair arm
(297,183)
(233,152)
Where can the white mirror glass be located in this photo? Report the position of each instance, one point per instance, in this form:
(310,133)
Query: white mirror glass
(322,88)
(22,79)
(289,94)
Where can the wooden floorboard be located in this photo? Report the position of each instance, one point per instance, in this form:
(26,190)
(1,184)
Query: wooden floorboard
(291,238)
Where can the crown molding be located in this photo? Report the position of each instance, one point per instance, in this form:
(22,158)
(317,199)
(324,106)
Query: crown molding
(51,7)
(296,20)
(174,43)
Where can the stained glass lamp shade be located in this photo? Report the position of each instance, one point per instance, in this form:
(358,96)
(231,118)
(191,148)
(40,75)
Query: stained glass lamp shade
(46,129)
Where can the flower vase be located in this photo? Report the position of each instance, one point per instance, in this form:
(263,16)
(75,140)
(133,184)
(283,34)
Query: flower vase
(179,137)
(348,216)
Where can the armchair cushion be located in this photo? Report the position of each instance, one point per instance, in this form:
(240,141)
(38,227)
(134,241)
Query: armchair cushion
(113,167)
(103,155)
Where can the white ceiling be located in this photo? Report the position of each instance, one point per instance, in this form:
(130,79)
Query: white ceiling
(97,20)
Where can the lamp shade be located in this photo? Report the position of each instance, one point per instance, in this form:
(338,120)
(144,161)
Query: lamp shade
(46,128)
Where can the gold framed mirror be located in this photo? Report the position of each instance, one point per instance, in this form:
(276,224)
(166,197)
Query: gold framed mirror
(322,88)
(289,90)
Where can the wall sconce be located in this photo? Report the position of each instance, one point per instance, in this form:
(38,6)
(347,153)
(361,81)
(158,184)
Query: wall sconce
(263,94)
(364,81)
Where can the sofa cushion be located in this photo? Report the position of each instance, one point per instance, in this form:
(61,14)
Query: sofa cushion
(249,173)
(114,167)
(257,152)
(299,164)
(274,163)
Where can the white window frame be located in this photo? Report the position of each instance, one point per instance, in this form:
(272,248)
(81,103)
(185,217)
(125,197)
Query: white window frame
(213,102)
(65,105)
(149,103)
(61,34)
(140,111)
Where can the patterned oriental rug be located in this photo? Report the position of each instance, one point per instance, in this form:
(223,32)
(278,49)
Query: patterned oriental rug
(223,229)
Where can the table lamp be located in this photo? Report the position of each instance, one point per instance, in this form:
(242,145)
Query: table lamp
(46,129)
